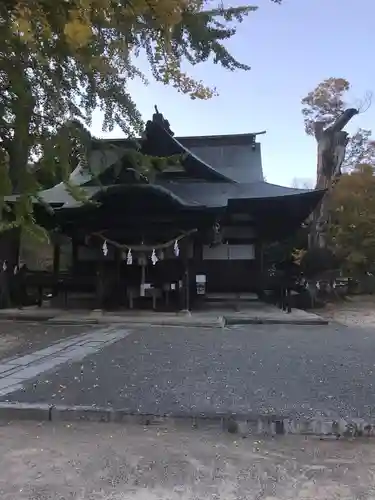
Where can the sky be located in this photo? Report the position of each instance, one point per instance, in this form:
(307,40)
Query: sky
(290,48)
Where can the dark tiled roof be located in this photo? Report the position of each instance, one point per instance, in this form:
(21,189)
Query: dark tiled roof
(220,181)
(186,194)
(217,194)
(235,156)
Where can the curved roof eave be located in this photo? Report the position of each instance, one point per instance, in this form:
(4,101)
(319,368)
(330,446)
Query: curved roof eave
(203,170)
(210,195)
(157,189)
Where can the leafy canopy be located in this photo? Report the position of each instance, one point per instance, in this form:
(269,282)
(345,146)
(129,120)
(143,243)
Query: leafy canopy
(352,216)
(325,104)
(62,59)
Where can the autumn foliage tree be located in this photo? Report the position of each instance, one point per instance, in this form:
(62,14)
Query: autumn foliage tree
(61,60)
(325,104)
(352,219)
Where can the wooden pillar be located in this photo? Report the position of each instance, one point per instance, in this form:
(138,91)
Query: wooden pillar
(260,277)
(261,257)
(186,277)
(119,285)
(74,254)
(56,267)
(187,286)
(99,270)
(99,285)
(56,258)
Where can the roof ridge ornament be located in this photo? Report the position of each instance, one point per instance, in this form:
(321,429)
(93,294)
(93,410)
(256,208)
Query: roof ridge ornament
(159,119)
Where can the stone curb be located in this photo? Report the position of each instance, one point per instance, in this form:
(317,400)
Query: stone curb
(220,321)
(141,322)
(230,321)
(71,321)
(110,321)
(25,317)
(235,424)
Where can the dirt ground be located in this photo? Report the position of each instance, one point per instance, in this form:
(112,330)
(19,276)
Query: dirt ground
(18,338)
(116,462)
(354,311)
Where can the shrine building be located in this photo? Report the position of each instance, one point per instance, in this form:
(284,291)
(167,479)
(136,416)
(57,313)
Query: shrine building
(194,228)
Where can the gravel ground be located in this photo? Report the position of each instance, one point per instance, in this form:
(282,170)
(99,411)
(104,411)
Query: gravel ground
(18,338)
(358,311)
(109,462)
(253,370)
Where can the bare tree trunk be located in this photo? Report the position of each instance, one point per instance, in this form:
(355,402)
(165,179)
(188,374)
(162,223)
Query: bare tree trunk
(331,144)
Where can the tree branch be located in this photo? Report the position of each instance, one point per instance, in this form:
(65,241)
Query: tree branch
(342,120)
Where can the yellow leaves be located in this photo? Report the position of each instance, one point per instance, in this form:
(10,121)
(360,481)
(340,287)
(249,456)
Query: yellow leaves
(30,23)
(119,31)
(172,74)
(78,31)
(64,58)
(34,232)
(22,24)
(167,69)
(353,216)
(87,5)
(163,14)
(167,12)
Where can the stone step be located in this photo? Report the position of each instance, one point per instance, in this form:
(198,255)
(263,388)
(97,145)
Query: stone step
(231,297)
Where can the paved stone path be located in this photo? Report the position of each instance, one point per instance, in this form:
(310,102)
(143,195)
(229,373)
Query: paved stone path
(18,338)
(16,370)
(291,372)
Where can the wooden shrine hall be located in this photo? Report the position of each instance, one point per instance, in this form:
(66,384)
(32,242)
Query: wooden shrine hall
(164,240)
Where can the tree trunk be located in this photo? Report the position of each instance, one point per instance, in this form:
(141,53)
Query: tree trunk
(18,149)
(9,255)
(331,145)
